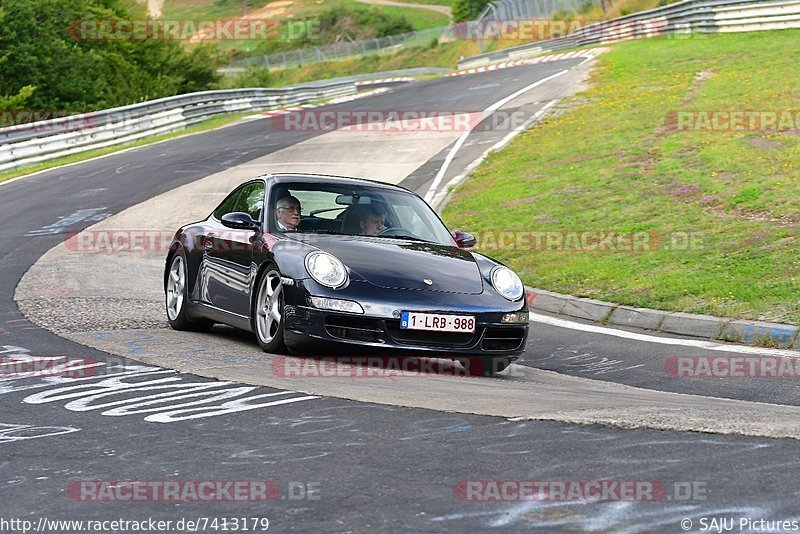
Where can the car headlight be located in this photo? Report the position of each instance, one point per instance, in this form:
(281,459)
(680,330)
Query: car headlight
(507,283)
(326,269)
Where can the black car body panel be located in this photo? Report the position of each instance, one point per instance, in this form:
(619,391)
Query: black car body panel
(402,264)
(385,276)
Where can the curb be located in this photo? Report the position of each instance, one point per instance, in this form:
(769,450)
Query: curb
(757,333)
(588,53)
(387,80)
(337,100)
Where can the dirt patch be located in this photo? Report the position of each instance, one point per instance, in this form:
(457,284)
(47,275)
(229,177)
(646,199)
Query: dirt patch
(269,12)
(766,144)
(726,177)
(155,8)
(392,3)
(684,191)
(694,91)
(711,200)
(687,151)
(788,221)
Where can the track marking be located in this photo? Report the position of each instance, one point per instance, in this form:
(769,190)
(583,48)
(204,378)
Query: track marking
(484,114)
(696,343)
(440,196)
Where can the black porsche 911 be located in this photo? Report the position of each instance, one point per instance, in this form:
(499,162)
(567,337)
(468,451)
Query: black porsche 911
(344,264)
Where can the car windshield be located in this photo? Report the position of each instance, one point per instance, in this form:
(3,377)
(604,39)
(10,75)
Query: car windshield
(355,210)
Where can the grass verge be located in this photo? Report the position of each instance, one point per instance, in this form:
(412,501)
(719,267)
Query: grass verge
(720,206)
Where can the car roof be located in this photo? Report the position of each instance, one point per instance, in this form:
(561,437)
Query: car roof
(280,177)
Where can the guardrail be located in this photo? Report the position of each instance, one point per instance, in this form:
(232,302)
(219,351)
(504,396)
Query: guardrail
(686,17)
(35,142)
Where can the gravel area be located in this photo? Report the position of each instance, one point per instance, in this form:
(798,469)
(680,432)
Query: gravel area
(69,315)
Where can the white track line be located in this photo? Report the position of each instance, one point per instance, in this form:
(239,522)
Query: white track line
(695,343)
(484,114)
(440,196)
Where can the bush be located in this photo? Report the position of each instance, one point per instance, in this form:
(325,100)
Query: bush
(332,26)
(254,77)
(17,101)
(351,24)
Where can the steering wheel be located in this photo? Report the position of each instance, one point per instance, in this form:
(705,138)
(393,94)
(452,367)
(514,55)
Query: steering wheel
(397,231)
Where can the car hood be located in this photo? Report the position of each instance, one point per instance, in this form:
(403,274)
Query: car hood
(401,264)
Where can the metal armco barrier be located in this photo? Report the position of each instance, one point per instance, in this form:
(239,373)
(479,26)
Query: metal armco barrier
(689,16)
(35,142)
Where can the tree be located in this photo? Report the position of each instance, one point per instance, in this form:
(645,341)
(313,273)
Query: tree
(465,10)
(13,102)
(42,45)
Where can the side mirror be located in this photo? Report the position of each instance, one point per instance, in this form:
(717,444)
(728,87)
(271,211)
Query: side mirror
(464,240)
(239,220)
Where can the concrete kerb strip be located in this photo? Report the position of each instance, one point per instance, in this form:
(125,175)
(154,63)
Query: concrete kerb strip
(758,333)
(587,53)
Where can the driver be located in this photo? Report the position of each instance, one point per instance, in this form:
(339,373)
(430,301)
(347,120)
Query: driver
(287,212)
(373,219)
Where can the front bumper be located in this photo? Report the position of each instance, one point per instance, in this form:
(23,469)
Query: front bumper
(310,328)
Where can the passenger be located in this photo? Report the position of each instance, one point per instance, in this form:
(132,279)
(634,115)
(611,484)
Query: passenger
(287,212)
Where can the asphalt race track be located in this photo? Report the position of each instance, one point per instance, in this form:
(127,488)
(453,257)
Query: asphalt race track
(346,454)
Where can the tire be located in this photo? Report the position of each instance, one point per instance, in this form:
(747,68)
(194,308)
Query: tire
(484,365)
(268,317)
(177,300)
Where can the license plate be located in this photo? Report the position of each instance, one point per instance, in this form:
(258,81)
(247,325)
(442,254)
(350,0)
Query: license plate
(437,322)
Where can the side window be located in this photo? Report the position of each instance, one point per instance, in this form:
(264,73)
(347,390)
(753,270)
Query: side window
(251,200)
(226,206)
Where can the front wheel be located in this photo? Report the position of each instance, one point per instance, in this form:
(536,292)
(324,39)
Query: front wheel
(177,297)
(268,316)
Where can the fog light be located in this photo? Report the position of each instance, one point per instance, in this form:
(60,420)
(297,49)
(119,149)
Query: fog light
(325,303)
(518,317)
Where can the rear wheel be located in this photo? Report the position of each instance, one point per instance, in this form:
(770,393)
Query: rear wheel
(177,299)
(268,316)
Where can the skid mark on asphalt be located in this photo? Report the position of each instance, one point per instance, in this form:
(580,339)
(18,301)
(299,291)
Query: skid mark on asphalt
(586,362)
(10,433)
(65,222)
(619,463)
